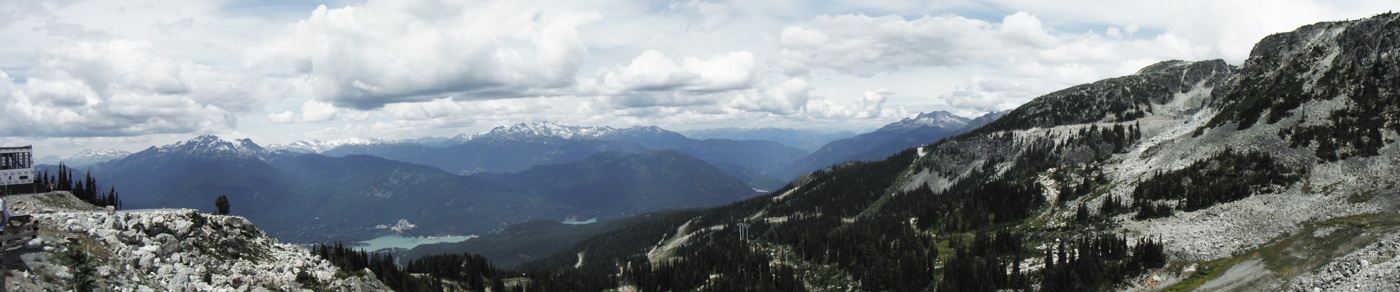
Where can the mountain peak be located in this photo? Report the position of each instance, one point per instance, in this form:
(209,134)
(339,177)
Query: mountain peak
(318,146)
(210,145)
(546,129)
(938,119)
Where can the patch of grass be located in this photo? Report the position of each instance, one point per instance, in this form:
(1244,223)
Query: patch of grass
(1361,197)
(64,200)
(1207,271)
(1301,251)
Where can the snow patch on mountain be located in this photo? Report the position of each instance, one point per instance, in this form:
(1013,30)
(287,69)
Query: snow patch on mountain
(94,156)
(318,146)
(546,129)
(938,119)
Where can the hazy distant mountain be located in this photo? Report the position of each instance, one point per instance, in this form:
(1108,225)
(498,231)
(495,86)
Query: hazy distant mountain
(760,182)
(520,146)
(85,158)
(318,146)
(809,140)
(982,120)
(762,156)
(613,184)
(305,197)
(492,154)
(650,137)
(48,159)
(310,197)
(922,129)
(429,141)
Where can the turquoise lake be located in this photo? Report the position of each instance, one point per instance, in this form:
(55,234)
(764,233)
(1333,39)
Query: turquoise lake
(399,241)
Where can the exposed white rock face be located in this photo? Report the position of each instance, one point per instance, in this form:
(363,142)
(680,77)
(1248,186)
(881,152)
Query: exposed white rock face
(172,250)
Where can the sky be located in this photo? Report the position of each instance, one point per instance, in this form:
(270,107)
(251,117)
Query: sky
(128,75)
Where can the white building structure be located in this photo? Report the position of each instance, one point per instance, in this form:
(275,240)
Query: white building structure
(17,166)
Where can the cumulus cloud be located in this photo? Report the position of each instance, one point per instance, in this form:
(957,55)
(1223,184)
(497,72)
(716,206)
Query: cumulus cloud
(653,71)
(870,105)
(386,52)
(127,88)
(315,111)
(789,98)
(986,95)
(864,45)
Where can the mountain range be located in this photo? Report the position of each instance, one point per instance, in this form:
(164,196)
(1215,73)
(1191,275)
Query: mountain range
(85,158)
(922,129)
(808,140)
(1277,174)
(303,197)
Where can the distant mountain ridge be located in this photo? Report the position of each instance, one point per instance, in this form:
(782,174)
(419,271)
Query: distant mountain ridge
(652,137)
(1277,174)
(889,139)
(648,181)
(85,158)
(304,197)
(808,140)
(318,146)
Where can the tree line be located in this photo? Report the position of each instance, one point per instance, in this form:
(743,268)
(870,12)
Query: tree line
(85,189)
(446,272)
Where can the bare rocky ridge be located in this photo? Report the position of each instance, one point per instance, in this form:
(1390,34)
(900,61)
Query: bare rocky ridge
(164,250)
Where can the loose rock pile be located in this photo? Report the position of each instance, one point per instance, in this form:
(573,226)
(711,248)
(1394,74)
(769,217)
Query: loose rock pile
(183,250)
(1375,267)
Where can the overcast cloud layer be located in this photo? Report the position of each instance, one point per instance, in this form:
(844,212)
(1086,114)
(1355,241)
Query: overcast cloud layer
(130,74)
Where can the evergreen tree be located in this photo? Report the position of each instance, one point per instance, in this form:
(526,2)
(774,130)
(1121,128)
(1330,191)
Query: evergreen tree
(222,204)
(62,178)
(90,193)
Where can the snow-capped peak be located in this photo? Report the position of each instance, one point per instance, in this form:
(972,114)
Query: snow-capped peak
(318,146)
(94,156)
(938,119)
(546,129)
(99,154)
(215,146)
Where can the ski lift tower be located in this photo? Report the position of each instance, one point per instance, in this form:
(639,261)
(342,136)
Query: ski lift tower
(17,168)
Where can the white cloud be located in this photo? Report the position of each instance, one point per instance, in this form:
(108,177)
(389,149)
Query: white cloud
(1025,29)
(653,71)
(387,52)
(790,98)
(869,105)
(126,88)
(314,111)
(425,110)
(864,45)
(286,117)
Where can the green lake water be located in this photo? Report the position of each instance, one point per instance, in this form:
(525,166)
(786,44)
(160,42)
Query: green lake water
(399,241)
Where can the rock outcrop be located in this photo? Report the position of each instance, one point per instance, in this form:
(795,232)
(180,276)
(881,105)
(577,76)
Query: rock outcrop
(170,250)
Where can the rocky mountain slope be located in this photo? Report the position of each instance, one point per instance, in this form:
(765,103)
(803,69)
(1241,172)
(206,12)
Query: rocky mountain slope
(161,250)
(1278,174)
